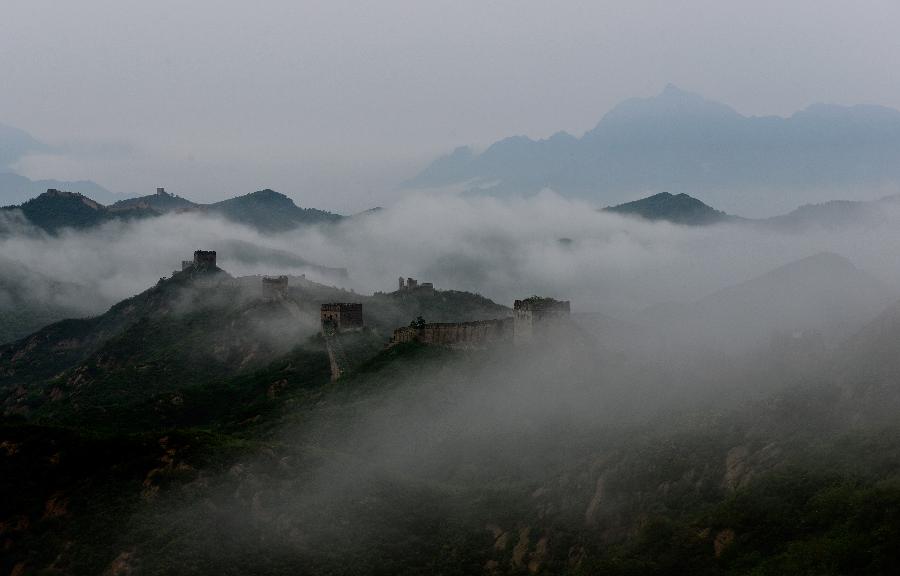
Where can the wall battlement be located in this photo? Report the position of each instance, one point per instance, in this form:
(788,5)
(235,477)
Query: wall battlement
(204,259)
(412,285)
(341,316)
(536,314)
(477,334)
(274,287)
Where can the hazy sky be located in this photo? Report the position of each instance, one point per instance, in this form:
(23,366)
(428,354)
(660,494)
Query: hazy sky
(335,102)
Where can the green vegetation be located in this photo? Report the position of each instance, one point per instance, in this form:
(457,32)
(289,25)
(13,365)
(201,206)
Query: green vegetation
(270,211)
(386,311)
(172,435)
(54,210)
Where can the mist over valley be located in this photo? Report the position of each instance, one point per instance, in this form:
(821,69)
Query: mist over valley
(283,292)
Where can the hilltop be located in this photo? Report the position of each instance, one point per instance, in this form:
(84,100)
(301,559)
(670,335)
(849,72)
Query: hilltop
(270,211)
(265,210)
(160,202)
(831,215)
(194,330)
(55,210)
(679,209)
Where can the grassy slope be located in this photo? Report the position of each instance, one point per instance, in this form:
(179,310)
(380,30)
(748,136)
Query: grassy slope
(828,507)
(209,474)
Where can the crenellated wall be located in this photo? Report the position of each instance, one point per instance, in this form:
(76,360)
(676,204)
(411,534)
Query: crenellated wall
(457,334)
(342,315)
(274,288)
(204,258)
(531,313)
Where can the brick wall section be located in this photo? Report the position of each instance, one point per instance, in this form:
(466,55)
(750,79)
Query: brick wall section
(457,334)
(342,315)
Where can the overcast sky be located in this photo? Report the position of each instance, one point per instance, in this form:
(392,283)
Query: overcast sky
(334,102)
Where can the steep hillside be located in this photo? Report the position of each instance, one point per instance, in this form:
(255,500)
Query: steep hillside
(867,369)
(192,330)
(822,298)
(434,460)
(270,211)
(414,464)
(54,210)
(15,143)
(32,301)
(198,419)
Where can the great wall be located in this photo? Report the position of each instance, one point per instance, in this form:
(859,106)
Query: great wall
(531,317)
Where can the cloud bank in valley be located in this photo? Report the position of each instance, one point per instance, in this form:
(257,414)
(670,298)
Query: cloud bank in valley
(502,249)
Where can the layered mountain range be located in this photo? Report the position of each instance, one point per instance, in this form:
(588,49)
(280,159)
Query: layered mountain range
(265,210)
(681,142)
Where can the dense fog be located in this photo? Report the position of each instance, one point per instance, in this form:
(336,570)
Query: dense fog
(502,249)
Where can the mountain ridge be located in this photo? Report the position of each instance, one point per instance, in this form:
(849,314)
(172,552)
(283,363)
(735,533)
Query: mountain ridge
(677,208)
(15,189)
(265,210)
(680,141)
(823,294)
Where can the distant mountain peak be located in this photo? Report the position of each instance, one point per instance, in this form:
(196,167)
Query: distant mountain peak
(677,208)
(679,139)
(672,89)
(672,93)
(15,143)
(53,194)
(820,261)
(270,210)
(672,103)
(161,202)
(265,210)
(269,195)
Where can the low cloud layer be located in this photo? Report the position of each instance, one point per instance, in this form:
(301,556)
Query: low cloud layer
(503,249)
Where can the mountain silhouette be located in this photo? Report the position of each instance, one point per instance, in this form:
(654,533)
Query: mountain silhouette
(682,142)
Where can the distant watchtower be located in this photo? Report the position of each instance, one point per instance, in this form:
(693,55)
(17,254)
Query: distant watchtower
(274,288)
(410,285)
(535,313)
(161,192)
(204,259)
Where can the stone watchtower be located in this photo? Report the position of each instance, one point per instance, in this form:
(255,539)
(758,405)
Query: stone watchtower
(531,315)
(204,259)
(342,316)
(274,288)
